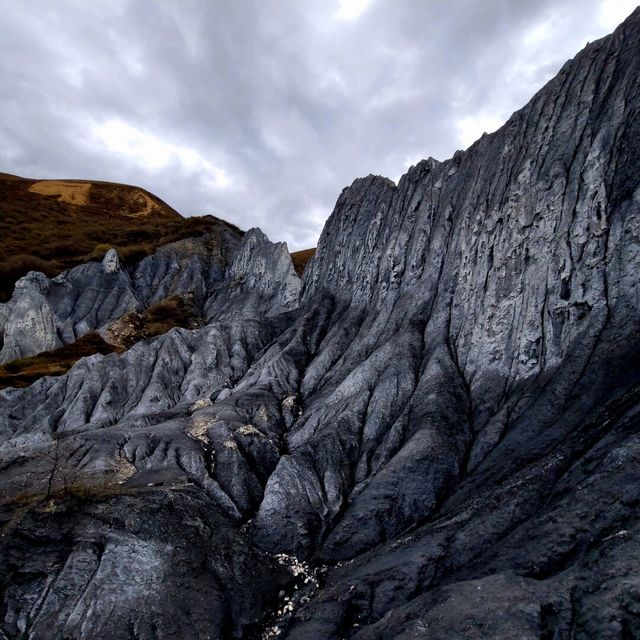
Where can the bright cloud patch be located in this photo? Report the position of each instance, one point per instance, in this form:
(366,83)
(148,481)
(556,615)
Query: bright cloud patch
(152,152)
(613,12)
(351,9)
(470,128)
(539,33)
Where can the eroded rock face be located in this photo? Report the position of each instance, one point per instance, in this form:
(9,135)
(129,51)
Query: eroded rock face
(260,278)
(440,434)
(28,323)
(217,272)
(497,291)
(44,313)
(108,566)
(114,460)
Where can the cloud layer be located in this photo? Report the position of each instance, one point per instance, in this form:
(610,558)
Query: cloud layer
(261,112)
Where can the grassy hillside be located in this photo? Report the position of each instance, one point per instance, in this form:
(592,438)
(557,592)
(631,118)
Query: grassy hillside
(53,225)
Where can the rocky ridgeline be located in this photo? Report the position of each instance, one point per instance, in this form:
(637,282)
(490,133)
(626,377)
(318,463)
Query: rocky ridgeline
(439,429)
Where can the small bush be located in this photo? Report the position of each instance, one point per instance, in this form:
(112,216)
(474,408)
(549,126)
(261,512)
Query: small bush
(131,255)
(98,251)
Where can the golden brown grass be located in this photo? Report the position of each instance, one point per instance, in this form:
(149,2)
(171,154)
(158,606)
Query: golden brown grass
(53,225)
(65,190)
(300,259)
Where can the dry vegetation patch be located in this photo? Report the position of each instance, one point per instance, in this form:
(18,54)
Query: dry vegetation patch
(25,371)
(64,190)
(176,311)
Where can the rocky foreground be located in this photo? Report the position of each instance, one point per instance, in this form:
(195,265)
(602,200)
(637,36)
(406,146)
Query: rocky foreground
(435,434)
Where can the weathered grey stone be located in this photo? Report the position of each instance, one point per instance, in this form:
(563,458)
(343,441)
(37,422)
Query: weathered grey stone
(261,278)
(28,323)
(218,271)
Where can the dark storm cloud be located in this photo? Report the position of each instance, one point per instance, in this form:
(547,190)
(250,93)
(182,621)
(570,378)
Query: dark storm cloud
(262,111)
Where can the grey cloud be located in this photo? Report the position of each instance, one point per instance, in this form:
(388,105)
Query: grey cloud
(290,102)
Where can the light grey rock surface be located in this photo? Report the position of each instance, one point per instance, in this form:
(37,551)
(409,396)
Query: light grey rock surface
(27,321)
(441,440)
(260,278)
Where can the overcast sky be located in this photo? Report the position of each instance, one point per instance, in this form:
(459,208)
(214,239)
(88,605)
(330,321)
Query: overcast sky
(261,111)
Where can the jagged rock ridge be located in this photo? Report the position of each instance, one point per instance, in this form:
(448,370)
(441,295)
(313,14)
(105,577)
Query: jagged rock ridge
(445,429)
(46,313)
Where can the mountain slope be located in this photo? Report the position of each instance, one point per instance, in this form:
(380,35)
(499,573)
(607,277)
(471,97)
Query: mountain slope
(53,225)
(439,441)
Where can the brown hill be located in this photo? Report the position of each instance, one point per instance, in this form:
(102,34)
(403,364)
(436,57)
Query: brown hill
(53,225)
(300,259)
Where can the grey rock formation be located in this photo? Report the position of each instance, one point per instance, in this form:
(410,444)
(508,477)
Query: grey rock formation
(260,278)
(439,441)
(216,271)
(194,265)
(27,323)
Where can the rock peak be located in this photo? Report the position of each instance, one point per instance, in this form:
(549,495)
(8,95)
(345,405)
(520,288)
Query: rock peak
(111,261)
